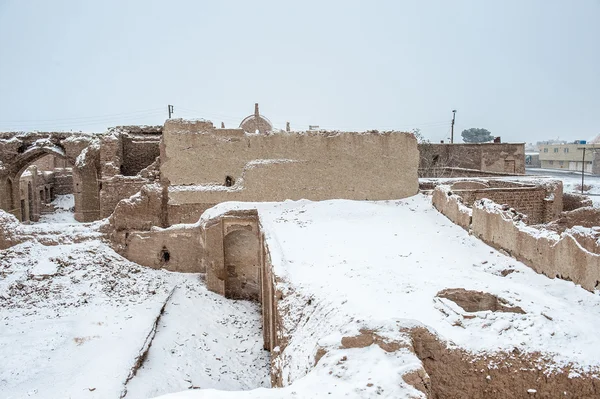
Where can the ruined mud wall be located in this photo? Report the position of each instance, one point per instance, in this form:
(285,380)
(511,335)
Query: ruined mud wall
(117,188)
(126,152)
(204,166)
(18,150)
(505,158)
(554,255)
(575,201)
(452,207)
(541,202)
(63,181)
(528,200)
(139,151)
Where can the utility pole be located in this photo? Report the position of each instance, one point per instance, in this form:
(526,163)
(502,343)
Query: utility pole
(170,108)
(452,133)
(582,168)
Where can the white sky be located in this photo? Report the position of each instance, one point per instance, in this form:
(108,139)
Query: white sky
(525,70)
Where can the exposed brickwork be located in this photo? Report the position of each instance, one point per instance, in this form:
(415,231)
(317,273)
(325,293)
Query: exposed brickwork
(527,200)
(116,189)
(138,153)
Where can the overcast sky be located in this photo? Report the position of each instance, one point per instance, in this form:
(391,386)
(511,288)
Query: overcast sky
(525,70)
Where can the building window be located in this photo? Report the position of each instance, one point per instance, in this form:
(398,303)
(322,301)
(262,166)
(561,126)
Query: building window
(566,150)
(556,150)
(561,163)
(545,150)
(551,162)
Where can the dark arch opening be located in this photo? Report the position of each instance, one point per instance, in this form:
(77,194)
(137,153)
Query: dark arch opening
(241,261)
(165,255)
(229,181)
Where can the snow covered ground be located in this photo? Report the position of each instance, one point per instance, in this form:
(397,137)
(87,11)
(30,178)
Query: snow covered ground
(64,206)
(349,266)
(75,317)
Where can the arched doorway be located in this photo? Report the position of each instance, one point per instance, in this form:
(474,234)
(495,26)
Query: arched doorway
(42,174)
(241,260)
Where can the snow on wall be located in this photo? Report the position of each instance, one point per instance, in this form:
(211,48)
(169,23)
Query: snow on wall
(543,250)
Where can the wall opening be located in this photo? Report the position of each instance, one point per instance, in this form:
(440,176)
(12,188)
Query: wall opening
(43,179)
(229,181)
(242,260)
(165,255)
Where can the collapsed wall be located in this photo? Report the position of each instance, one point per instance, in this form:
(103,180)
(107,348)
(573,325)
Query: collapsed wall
(128,158)
(540,201)
(561,249)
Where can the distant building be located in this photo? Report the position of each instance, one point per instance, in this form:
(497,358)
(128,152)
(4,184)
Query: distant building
(570,156)
(532,160)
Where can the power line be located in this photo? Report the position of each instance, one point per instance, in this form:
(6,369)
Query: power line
(76,124)
(152,110)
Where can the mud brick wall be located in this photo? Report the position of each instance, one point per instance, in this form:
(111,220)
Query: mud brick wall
(527,200)
(138,154)
(575,201)
(197,161)
(489,157)
(63,181)
(554,256)
(116,189)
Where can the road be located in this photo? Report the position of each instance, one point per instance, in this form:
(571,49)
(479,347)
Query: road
(571,180)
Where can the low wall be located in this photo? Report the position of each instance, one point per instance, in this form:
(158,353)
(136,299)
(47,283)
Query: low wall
(452,207)
(176,250)
(547,252)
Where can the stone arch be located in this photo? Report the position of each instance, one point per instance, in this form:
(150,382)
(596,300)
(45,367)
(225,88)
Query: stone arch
(33,154)
(242,264)
(18,150)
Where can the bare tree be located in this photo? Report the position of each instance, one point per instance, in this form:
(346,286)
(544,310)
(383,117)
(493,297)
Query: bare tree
(434,160)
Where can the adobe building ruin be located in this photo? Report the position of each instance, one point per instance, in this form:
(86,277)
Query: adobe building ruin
(154,186)
(201,166)
(99,169)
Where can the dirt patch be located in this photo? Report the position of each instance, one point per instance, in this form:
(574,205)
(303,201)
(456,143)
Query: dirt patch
(457,374)
(506,272)
(81,340)
(420,380)
(320,353)
(368,338)
(477,301)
